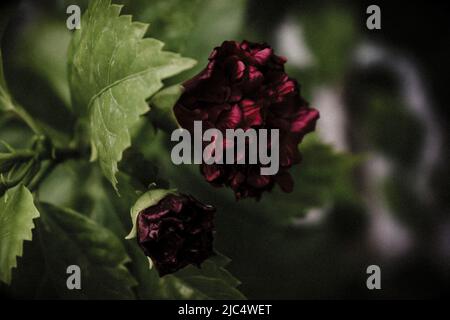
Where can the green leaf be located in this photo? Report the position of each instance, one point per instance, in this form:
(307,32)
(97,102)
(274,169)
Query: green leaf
(70,238)
(210,281)
(166,98)
(162,103)
(112,71)
(17,212)
(30,279)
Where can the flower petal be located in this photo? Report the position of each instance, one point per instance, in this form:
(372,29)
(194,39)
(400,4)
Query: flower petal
(305,121)
(251,112)
(211,172)
(263,55)
(229,119)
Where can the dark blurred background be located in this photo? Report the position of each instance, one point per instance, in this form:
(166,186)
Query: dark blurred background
(373,187)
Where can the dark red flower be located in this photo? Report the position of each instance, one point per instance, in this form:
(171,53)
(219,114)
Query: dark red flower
(245,86)
(176,232)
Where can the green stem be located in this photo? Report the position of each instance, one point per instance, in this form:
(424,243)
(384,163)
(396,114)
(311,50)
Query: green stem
(58,156)
(61,155)
(27,118)
(42,174)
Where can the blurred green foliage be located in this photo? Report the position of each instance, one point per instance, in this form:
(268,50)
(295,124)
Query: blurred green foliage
(331,33)
(276,251)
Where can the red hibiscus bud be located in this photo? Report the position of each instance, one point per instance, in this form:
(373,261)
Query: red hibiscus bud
(174,230)
(245,86)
